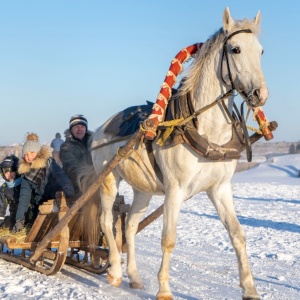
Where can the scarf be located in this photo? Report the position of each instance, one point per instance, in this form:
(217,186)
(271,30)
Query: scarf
(37,176)
(12,184)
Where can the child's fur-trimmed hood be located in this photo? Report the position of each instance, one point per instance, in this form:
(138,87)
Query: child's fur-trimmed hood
(40,161)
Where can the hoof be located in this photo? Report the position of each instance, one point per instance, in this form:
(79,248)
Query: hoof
(164,296)
(251,298)
(136,285)
(113,281)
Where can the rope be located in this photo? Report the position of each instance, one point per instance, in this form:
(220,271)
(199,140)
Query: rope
(254,129)
(123,156)
(147,130)
(169,129)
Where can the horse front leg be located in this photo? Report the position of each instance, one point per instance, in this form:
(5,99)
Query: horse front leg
(108,192)
(138,208)
(172,207)
(223,201)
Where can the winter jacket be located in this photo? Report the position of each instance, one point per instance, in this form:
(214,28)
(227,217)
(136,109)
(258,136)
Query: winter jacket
(9,196)
(75,153)
(51,179)
(56,143)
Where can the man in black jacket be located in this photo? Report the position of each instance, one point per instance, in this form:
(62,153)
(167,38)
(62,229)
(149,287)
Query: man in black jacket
(76,150)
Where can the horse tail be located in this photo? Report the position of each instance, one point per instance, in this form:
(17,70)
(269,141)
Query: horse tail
(90,211)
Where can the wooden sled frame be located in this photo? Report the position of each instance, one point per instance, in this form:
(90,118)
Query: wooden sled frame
(49,214)
(67,247)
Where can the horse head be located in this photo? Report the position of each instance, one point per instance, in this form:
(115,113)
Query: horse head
(241,57)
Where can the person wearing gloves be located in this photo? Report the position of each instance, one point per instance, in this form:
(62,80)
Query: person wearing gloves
(76,150)
(42,177)
(9,191)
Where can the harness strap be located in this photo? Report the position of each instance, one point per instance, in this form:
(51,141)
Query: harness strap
(169,125)
(225,53)
(153,161)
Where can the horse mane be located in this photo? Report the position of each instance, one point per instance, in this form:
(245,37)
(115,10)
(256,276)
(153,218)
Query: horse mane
(207,51)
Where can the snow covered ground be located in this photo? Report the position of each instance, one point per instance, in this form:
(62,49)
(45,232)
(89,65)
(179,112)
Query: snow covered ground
(267,201)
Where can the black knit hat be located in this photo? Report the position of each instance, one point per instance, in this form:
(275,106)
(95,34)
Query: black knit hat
(78,120)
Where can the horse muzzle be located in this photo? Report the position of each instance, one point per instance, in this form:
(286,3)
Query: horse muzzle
(255,97)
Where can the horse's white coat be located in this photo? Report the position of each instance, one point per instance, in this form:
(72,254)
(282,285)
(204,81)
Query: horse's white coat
(184,172)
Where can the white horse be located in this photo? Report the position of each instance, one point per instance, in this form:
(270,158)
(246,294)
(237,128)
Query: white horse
(230,59)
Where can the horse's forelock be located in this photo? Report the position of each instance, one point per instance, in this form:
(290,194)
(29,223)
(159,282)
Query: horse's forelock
(246,24)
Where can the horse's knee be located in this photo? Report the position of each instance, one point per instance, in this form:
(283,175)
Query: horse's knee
(168,243)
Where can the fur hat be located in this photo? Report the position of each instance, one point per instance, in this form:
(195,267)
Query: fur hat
(78,120)
(32,144)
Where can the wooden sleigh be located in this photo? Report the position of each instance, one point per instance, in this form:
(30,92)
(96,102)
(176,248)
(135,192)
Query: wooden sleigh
(56,237)
(68,246)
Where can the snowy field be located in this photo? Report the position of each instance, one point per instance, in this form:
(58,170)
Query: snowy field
(267,201)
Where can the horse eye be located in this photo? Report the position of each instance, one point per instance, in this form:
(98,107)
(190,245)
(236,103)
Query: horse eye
(236,50)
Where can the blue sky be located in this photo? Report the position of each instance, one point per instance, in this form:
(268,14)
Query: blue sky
(60,58)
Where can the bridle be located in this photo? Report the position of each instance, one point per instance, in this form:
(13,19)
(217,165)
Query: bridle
(241,114)
(225,54)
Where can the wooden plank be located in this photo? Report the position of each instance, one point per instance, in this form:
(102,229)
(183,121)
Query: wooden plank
(47,207)
(35,228)
(49,223)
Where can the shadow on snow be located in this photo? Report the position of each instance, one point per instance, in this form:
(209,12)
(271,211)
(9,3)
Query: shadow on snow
(248,221)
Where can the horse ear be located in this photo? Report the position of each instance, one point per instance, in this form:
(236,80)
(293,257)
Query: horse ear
(257,18)
(227,20)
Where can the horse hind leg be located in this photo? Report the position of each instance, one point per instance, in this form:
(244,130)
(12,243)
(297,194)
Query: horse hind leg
(108,192)
(223,202)
(138,208)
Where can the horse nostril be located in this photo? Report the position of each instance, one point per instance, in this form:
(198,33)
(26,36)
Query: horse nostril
(256,93)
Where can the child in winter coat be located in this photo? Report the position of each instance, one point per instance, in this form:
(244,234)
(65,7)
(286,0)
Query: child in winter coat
(42,177)
(9,191)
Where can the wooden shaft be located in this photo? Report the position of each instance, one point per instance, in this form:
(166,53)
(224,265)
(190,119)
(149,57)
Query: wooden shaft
(256,136)
(152,217)
(263,123)
(87,195)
